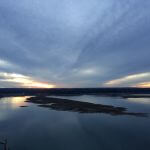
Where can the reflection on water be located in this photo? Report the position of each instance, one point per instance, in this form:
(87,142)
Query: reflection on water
(15,102)
(18,101)
(94,127)
(140,100)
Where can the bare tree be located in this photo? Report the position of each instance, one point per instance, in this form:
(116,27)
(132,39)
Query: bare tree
(5,144)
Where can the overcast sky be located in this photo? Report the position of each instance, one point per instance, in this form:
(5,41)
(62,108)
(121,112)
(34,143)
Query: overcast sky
(74,43)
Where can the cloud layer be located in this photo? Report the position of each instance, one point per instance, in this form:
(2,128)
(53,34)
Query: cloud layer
(72,43)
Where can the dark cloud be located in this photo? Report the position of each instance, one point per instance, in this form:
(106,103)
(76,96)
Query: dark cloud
(75,43)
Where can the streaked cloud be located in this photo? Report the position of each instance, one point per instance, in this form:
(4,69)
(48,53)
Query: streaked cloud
(75,43)
(23,81)
(6,64)
(131,80)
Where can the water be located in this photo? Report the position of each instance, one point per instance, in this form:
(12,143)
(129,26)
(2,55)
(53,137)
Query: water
(38,128)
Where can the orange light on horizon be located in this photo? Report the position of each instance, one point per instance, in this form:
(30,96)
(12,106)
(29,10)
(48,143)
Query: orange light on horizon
(25,81)
(39,85)
(29,83)
(143,85)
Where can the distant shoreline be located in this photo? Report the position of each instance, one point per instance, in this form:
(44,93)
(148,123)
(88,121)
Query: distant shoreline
(115,92)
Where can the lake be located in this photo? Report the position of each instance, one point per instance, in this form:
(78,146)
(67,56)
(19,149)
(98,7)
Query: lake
(94,126)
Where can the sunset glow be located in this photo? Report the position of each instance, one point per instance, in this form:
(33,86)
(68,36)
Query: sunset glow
(143,85)
(24,81)
(39,85)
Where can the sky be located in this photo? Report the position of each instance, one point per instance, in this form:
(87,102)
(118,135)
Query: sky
(74,43)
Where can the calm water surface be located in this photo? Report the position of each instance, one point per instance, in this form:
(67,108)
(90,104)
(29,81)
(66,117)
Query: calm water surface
(38,128)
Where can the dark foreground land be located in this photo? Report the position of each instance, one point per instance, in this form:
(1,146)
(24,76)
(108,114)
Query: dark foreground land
(61,104)
(121,92)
